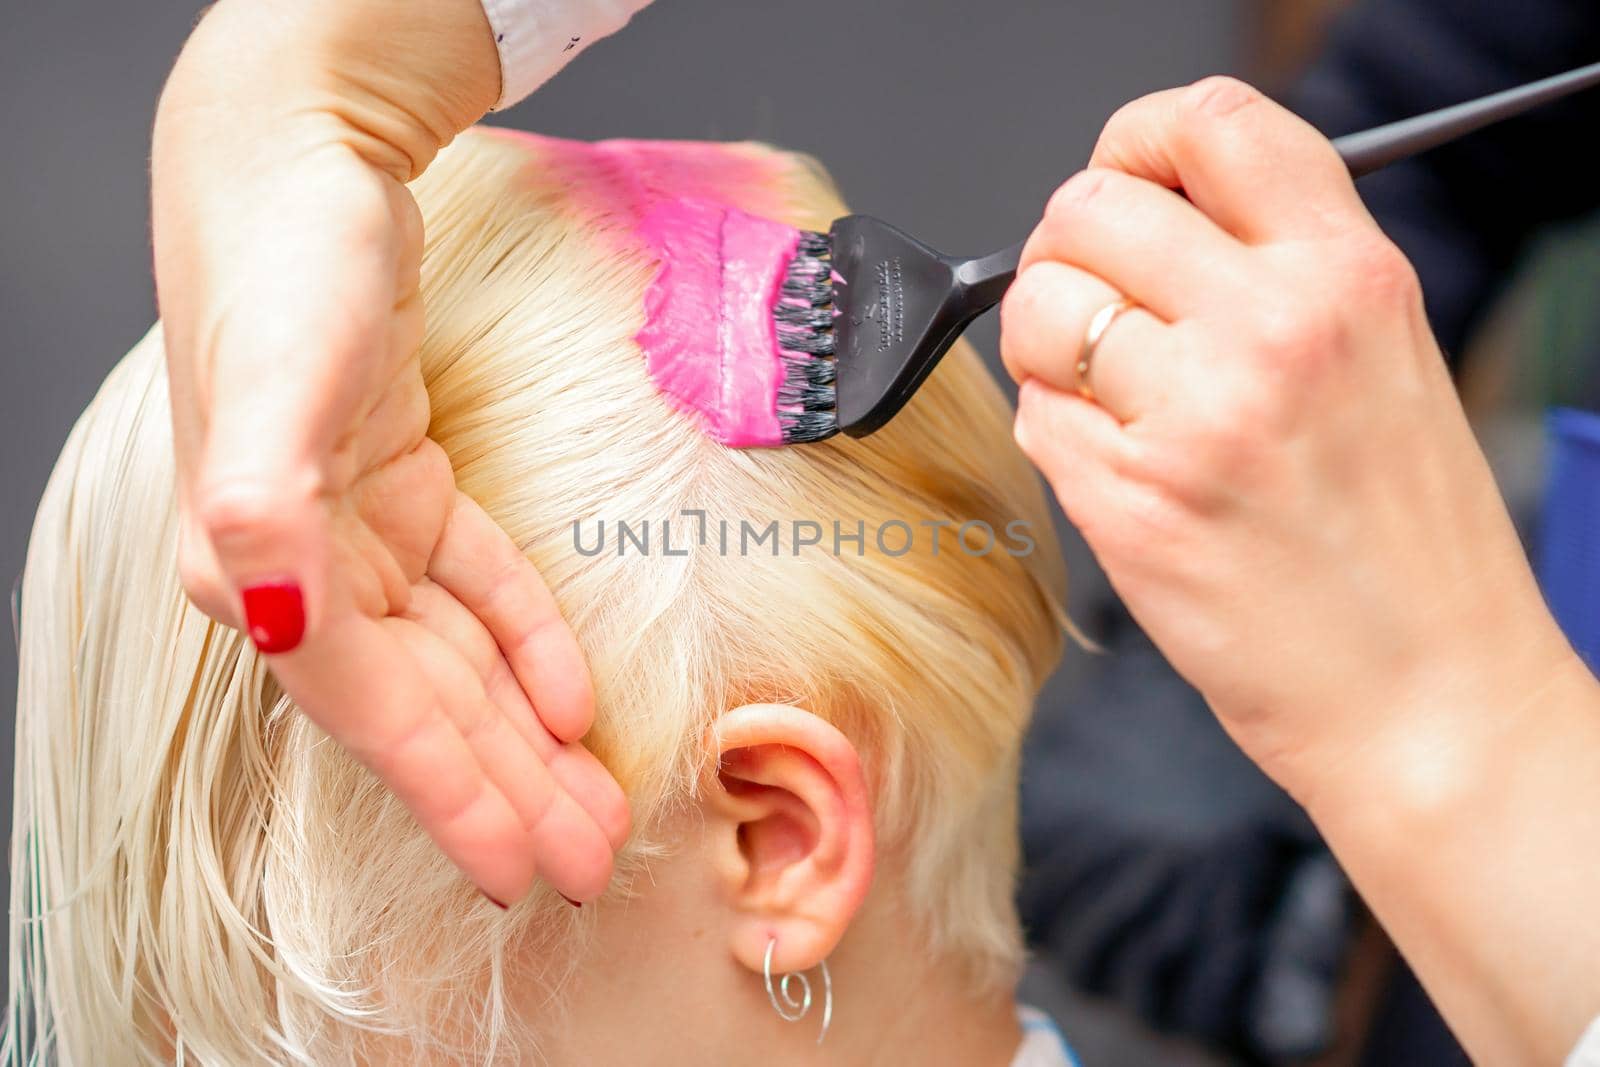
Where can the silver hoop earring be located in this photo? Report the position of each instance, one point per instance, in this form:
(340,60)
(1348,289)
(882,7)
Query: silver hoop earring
(786,1003)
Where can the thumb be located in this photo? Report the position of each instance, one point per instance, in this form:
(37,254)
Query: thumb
(258,509)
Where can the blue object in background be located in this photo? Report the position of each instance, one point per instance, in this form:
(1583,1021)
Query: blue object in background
(1569,530)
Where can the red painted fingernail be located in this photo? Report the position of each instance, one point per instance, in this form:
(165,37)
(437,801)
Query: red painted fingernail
(275,614)
(569,900)
(493,901)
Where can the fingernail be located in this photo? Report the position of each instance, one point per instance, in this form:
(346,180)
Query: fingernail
(496,903)
(275,615)
(569,900)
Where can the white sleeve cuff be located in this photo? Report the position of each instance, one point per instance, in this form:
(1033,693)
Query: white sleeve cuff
(1587,1052)
(536,38)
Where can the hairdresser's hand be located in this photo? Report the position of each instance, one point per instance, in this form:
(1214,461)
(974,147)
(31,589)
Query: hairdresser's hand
(315,512)
(1282,486)
(1277,475)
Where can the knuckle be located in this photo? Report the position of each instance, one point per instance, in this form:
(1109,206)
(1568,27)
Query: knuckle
(372,594)
(1127,116)
(235,511)
(1021,304)
(1025,333)
(1377,269)
(1011,351)
(431,480)
(1010,312)
(437,470)
(1219,96)
(1032,432)
(1294,333)
(1225,444)
(1077,193)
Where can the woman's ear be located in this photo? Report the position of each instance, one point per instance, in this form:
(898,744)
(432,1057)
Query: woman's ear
(791,831)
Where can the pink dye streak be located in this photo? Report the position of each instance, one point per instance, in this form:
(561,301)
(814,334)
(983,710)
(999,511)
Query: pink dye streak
(709,338)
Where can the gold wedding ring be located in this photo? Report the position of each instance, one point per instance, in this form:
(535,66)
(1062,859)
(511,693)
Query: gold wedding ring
(1091,340)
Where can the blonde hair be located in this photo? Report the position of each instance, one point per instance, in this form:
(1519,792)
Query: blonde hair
(198,873)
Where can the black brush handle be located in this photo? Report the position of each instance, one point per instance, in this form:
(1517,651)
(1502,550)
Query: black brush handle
(987,278)
(1372,150)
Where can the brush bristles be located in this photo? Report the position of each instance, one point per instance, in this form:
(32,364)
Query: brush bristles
(807,402)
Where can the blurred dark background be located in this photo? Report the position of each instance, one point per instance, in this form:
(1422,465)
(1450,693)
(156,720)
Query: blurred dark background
(1183,912)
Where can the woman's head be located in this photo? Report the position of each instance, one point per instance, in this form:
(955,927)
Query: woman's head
(813,666)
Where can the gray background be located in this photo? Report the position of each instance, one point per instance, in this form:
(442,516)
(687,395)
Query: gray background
(953,119)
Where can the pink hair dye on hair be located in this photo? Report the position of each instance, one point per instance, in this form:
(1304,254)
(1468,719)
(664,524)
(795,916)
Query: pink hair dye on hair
(709,338)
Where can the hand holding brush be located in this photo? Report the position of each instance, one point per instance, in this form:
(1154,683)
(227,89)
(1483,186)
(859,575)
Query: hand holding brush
(1236,397)
(872,309)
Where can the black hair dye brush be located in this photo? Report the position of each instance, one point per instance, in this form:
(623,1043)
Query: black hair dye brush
(866,311)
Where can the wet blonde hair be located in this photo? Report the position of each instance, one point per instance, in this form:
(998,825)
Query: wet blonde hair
(197,873)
